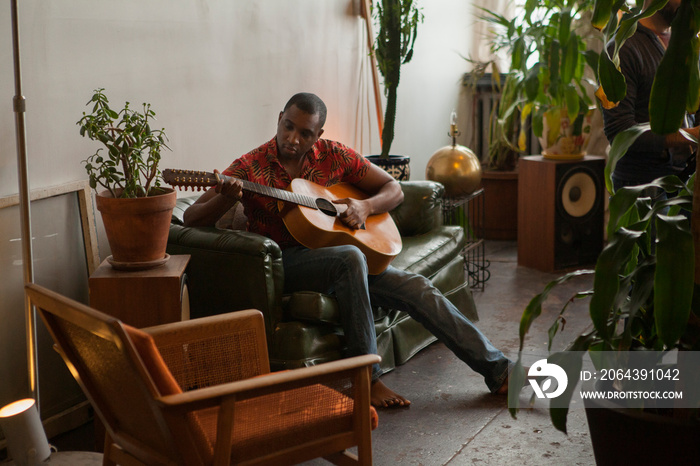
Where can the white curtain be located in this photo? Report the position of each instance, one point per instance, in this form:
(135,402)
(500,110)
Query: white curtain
(481,41)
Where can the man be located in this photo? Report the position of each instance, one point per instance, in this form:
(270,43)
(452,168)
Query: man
(652,155)
(298,151)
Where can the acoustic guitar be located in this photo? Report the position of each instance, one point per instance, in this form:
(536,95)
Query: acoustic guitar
(311,217)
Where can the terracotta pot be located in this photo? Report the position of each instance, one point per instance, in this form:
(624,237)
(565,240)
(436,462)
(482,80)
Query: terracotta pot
(137,229)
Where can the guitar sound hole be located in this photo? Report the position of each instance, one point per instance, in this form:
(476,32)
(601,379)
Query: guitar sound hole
(327,207)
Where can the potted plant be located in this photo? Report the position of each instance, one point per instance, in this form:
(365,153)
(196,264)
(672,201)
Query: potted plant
(545,44)
(499,152)
(398,26)
(135,210)
(645,296)
(550,74)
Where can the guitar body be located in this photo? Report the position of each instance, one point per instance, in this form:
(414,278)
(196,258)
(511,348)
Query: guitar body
(380,240)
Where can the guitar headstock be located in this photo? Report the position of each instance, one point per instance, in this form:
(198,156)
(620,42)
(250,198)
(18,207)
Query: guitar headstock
(189,178)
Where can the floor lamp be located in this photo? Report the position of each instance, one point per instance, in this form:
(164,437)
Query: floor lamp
(20,421)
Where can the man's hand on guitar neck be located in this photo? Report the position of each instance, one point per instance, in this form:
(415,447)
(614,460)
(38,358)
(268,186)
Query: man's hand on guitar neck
(229,187)
(210,206)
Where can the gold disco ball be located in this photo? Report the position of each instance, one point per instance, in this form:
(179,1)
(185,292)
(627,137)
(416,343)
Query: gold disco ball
(457,168)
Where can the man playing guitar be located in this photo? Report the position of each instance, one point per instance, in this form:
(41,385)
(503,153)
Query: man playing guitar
(298,152)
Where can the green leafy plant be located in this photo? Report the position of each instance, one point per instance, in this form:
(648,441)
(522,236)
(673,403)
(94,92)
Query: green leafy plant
(646,282)
(130,167)
(398,27)
(503,123)
(550,56)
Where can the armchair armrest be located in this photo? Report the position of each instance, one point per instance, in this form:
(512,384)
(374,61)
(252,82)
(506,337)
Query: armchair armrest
(230,270)
(273,382)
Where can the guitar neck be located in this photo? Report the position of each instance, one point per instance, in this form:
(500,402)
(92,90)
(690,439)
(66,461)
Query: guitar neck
(201,179)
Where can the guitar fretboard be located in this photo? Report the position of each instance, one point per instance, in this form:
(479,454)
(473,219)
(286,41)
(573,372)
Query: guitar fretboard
(200,179)
(276,193)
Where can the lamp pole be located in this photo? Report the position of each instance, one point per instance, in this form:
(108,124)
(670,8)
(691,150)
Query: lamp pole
(18,104)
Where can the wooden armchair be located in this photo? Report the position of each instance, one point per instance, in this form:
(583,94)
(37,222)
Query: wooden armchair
(200,391)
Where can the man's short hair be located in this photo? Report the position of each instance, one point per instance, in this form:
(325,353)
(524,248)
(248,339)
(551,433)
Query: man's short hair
(309,103)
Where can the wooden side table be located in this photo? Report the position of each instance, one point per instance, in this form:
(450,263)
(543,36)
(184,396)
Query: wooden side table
(142,298)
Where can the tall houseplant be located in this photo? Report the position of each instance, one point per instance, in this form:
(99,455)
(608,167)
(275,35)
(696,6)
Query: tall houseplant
(548,74)
(549,66)
(135,209)
(398,27)
(646,281)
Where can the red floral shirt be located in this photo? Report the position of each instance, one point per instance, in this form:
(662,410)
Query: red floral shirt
(327,163)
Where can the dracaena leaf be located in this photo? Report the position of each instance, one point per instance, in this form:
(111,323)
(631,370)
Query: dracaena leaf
(618,148)
(668,99)
(612,81)
(601,13)
(606,283)
(673,280)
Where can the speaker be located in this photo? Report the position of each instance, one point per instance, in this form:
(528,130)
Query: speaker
(560,212)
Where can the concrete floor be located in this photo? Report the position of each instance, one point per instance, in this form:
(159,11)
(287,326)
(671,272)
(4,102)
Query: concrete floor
(453,419)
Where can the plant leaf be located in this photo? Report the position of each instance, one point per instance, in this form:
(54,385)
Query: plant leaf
(606,283)
(534,307)
(570,58)
(623,140)
(612,82)
(601,13)
(571,362)
(673,280)
(669,93)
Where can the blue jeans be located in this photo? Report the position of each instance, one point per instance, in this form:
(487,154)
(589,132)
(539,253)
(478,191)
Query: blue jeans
(342,271)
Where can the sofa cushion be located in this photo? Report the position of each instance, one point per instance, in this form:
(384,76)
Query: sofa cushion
(427,254)
(310,306)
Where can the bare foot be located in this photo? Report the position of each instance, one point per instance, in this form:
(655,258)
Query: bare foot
(382,396)
(503,389)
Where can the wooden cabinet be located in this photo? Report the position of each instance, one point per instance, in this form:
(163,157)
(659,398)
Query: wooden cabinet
(142,298)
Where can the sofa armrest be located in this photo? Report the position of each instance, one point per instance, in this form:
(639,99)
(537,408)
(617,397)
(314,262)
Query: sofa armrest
(230,270)
(421,210)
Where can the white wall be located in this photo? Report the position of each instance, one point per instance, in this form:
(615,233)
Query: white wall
(217,73)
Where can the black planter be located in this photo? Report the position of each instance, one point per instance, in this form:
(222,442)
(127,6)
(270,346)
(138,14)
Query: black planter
(398,166)
(629,436)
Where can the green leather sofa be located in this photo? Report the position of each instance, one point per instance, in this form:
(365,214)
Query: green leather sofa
(233,269)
